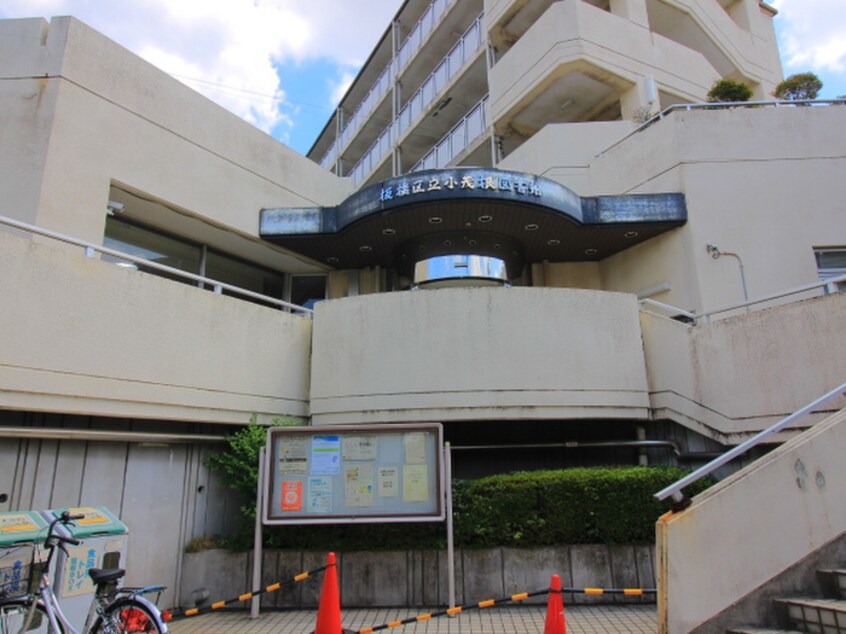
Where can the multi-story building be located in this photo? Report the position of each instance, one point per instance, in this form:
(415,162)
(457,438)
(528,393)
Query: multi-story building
(467,83)
(503,247)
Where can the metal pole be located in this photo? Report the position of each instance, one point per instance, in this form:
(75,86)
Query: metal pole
(255,602)
(450,540)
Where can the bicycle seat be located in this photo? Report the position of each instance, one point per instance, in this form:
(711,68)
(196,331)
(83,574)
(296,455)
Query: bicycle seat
(99,576)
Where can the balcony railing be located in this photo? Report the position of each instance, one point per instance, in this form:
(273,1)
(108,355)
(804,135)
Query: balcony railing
(430,89)
(445,71)
(382,85)
(471,127)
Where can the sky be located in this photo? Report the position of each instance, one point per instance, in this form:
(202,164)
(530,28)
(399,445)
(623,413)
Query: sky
(283,65)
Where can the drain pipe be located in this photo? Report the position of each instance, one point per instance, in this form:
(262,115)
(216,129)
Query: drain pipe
(643,445)
(46,433)
(573,444)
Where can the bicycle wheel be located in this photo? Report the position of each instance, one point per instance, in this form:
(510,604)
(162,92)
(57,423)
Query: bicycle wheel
(128,616)
(13,614)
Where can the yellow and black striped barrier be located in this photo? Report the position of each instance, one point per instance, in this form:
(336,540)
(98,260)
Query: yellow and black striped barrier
(456,610)
(249,595)
(514,598)
(632,592)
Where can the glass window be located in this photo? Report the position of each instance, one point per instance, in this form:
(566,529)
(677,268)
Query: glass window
(831,262)
(151,245)
(159,247)
(224,268)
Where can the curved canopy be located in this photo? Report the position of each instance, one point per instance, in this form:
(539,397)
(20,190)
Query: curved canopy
(511,215)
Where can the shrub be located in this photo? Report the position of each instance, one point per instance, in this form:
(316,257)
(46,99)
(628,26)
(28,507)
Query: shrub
(728,90)
(611,505)
(238,463)
(799,86)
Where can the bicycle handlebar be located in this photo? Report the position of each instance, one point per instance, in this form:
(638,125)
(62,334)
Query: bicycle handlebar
(53,539)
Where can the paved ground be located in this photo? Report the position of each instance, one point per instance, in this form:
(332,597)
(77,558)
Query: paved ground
(581,619)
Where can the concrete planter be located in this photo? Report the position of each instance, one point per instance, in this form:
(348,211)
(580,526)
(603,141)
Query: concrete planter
(415,578)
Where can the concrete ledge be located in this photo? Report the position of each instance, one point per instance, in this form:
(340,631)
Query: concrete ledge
(416,578)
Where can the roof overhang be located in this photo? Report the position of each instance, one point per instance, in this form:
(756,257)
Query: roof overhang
(511,215)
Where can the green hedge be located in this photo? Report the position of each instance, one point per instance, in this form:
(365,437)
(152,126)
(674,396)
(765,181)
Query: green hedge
(600,505)
(604,505)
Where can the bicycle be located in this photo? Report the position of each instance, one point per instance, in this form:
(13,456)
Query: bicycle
(113,610)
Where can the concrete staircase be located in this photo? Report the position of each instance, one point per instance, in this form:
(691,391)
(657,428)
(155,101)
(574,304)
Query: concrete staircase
(810,614)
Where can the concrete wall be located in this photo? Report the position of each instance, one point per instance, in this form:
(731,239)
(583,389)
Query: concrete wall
(763,183)
(752,526)
(741,374)
(563,152)
(418,578)
(80,113)
(82,336)
(574,36)
(477,353)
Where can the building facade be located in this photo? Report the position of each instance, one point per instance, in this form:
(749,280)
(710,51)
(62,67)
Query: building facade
(535,347)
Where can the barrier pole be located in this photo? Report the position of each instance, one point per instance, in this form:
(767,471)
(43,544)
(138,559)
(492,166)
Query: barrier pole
(450,541)
(255,602)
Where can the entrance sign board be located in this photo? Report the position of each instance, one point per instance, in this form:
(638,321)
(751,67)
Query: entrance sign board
(354,474)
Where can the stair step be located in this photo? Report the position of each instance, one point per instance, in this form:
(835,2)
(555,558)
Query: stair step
(816,616)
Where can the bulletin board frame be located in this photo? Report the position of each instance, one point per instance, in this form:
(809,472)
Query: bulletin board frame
(345,474)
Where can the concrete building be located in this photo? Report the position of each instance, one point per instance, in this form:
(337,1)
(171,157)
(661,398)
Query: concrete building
(502,141)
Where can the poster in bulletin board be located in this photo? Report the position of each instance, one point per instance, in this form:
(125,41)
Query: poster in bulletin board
(347,474)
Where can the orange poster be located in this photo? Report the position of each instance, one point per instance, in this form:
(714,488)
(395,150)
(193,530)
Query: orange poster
(292,496)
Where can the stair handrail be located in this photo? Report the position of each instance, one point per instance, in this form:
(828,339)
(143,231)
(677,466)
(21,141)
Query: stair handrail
(675,489)
(829,285)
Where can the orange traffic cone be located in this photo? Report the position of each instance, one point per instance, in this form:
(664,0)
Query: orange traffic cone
(329,612)
(555,621)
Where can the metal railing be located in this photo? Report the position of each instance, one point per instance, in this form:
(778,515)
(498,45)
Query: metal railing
(675,490)
(425,25)
(723,106)
(92,249)
(829,286)
(470,128)
(429,91)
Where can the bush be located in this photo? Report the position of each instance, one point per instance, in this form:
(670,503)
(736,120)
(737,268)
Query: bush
(238,464)
(799,86)
(610,505)
(728,90)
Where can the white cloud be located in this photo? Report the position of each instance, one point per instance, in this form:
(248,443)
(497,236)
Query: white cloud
(339,87)
(813,34)
(231,46)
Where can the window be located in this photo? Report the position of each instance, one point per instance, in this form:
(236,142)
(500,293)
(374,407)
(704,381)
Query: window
(152,245)
(157,246)
(225,268)
(831,262)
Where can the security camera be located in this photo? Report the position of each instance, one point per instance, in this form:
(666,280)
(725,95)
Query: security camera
(114,206)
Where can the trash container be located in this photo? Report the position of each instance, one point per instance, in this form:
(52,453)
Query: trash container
(104,544)
(21,564)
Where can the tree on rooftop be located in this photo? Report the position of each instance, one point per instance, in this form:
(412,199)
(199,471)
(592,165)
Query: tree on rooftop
(729,90)
(799,86)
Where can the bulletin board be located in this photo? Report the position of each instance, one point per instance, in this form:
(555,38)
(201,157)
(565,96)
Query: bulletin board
(349,474)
